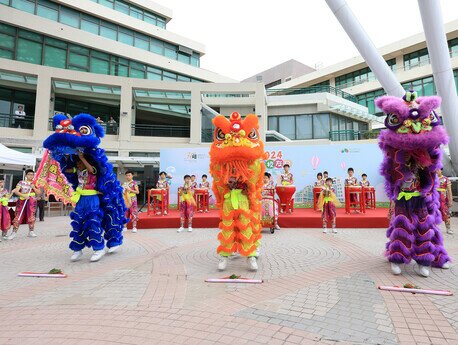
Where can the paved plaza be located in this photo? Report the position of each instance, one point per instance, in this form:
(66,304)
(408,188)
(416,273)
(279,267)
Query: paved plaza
(318,289)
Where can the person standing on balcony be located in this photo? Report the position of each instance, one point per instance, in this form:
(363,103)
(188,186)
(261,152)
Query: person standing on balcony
(19,117)
(112,125)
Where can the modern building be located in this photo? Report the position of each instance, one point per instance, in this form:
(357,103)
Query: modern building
(281,73)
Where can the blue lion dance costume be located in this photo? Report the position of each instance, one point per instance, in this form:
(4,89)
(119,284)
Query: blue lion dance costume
(99,216)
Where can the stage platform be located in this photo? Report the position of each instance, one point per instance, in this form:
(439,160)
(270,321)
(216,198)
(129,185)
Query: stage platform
(300,218)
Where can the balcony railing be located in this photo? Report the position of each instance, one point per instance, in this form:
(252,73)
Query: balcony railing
(351,134)
(15,121)
(108,128)
(161,131)
(312,89)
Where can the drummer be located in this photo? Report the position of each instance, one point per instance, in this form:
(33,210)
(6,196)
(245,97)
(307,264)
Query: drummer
(193,182)
(205,185)
(162,183)
(286,178)
(352,181)
(320,181)
(365,183)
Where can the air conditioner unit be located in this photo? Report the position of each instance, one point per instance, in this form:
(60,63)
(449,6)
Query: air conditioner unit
(288,78)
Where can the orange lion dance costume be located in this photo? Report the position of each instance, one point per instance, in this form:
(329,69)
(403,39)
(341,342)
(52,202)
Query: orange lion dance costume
(237,168)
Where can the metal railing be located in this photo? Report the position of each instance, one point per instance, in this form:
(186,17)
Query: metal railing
(350,134)
(161,131)
(108,128)
(312,89)
(15,121)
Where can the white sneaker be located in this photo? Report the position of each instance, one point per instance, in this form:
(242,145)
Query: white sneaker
(325,231)
(180,229)
(423,271)
(450,231)
(165,213)
(334,230)
(134,230)
(32,234)
(252,263)
(396,269)
(222,264)
(277,227)
(5,236)
(124,229)
(446,265)
(76,255)
(12,235)
(97,255)
(113,249)
(190,229)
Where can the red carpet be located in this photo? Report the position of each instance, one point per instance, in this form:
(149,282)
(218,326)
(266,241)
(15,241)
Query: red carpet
(300,218)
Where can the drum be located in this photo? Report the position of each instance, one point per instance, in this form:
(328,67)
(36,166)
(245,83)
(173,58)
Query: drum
(316,195)
(285,193)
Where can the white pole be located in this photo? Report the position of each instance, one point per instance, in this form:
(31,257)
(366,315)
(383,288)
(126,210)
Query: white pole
(433,25)
(365,47)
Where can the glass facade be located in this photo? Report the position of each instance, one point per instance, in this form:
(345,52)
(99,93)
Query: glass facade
(312,126)
(100,27)
(23,45)
(423,86)
(360,76)
(421,57)
(323,83)
(134,11)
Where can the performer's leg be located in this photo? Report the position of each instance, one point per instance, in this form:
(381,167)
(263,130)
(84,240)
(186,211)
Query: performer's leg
(190,215)
(134,214)
(31,209)
(249,228)
(41,210)
(400,235)
(18,217)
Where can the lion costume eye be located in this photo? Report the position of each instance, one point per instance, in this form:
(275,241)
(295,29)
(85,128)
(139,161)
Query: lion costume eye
(85,130)
(220,134)
(393,120)
(435,120)
(253,135)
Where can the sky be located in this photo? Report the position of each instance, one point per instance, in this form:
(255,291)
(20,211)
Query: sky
(244,37)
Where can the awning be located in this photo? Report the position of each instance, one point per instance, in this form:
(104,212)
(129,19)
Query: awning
(12,157)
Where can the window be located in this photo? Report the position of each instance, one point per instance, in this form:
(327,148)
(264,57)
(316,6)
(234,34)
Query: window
(141,41)
(416,58)
(304,129)
(49,11)
(121,7)
(150,19)
(321,126)
(89,25)
(100,66)
(24,5)
(79,60)
(6,41)
(126,36)
(287,126)
(69,17)
(29,51)
(424,86)
(272,123)
(55,57)
(157,46)
(184,58)
(108,31)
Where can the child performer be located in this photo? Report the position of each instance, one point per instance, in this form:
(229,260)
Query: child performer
(87,216)
(26,205)
(162,183)
(320,182)
(187,204)
(351,181)
(269,214)
(365,183)
(193,182)
(286,178)
(130,192)
(325,175)
(327,204)
(446,199)
(5,219)
(205,185)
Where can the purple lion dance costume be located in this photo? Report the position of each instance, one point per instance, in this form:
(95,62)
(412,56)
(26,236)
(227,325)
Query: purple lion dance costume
(412,154)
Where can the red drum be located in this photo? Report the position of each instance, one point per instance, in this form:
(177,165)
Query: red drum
(354,199)
(202,197)
(158,201)
(285,193)
(369,195)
